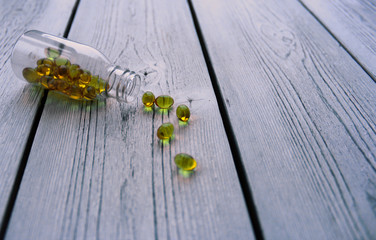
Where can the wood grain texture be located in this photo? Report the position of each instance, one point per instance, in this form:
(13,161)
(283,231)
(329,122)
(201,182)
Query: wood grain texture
(303,112)
(18,101)
(97,171)
(353,23)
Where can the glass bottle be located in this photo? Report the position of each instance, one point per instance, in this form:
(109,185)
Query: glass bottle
(73,69)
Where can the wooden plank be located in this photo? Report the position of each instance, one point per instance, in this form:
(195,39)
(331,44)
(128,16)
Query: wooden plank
(303,114)
(18,101)
(97,171)
(353,23)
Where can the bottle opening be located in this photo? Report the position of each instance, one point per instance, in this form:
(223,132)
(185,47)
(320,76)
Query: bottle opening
(124,85)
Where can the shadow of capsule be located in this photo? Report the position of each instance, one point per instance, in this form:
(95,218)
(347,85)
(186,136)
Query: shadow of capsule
(148,110)
(163,111)
(167,142)
(186,173)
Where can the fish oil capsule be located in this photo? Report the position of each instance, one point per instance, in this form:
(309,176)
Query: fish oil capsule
(84,79)
(185,162)
(75,92)
(75,71)
(183,113)
(62,61)
(62,71)
(90,93)
(61,84)
(165,131)
(30,75)
(148,99)
(52,53)
(45,61)
(52,83)
(44,69)
(164,101)
(44,80)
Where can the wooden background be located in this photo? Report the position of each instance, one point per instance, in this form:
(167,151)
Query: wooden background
(282,95)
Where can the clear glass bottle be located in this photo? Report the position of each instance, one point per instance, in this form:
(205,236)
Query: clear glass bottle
(73,69)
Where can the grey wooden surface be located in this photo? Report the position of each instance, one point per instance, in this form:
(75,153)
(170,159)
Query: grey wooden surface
(353,23)
(98,169)
(19,102)
(298,110)
(303,114)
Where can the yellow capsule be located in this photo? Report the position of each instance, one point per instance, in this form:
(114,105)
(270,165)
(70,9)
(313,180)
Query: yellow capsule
(52,53)
(61,84)
(185,162)
(183,113)
(62,71)
(75,92)
(90,93)
(44,80)
(45,61)
(165,131)
(148,99)
(164,101)
(44,69)
(84,79)
(75,71)
(30,75)
(62,61)
(52,83)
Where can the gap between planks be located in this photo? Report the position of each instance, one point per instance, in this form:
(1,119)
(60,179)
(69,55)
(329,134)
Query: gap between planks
(369,73)
(240,169)
(29,144)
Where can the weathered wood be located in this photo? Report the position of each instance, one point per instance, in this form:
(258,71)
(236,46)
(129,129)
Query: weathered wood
(97,171)
(19,102)
(303,113)
(353,23)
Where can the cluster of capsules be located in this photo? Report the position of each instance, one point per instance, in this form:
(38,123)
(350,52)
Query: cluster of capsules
(60,75)
(182,160)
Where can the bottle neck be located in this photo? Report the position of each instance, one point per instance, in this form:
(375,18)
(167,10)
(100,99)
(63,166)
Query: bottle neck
(122,84)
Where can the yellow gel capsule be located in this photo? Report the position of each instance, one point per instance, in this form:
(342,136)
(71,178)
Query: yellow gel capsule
(52,52)
(90,93)
(84,78)
(148,99)
(183,113)
(164,101)
(61,84)
(30,75)
(185,162)
(75,92)
(62,71)
(75,71)
(165,131)
(44,69)
(62,61)
(44,80)
(45,61)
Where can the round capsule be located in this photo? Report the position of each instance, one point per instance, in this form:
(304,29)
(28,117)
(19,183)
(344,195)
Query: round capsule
(185,162)
(62,61)
(44,69)
(45,61)
(165,131)
(75,71)
(164,101)
(148,99)
(90,93)
(75,92)
(84,79)
(183,113)
(62,71)
(30,75)
(45,81)
(52,52)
